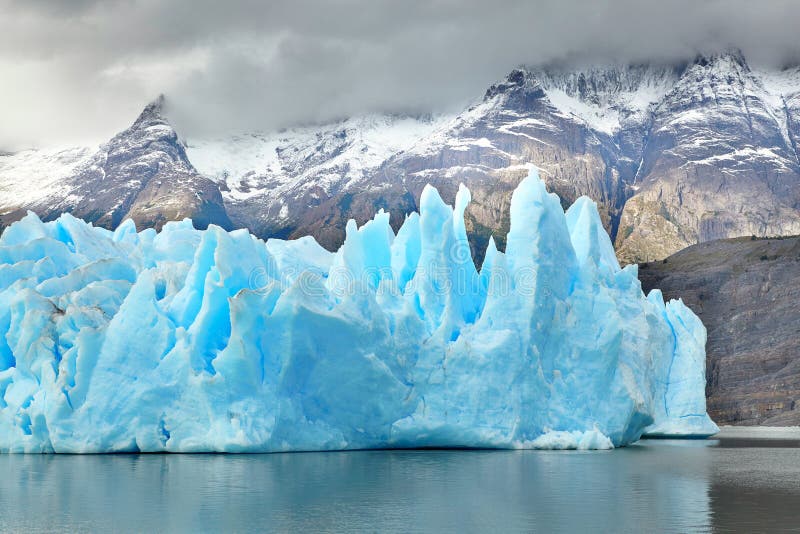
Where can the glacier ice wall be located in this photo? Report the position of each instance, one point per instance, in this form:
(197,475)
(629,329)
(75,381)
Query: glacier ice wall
(189,340)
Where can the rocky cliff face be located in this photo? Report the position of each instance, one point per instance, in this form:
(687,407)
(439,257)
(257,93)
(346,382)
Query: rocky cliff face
(745,291)
(719,161)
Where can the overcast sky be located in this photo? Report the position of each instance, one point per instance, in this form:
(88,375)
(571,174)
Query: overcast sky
(76,71)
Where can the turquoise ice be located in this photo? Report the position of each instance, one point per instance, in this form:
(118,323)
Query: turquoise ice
(188,340)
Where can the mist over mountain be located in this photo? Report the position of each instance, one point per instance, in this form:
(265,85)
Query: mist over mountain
(78,72)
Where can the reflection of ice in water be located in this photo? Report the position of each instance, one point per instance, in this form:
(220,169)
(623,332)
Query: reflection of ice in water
(664,486)
(681,485)
(649,486)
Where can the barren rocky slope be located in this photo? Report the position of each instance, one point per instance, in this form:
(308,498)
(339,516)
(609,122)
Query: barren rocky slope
(745,291)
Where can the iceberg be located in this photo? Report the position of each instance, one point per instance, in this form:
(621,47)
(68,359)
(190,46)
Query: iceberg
(199,341)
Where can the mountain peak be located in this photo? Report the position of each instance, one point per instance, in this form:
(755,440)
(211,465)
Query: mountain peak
(157,105)
(728,56)
(516,79)
(150,133)
(153,112)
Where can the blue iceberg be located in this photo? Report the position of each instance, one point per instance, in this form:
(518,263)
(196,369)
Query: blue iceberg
(188,340)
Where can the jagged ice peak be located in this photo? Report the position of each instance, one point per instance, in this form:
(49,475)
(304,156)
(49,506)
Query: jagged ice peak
(190,340)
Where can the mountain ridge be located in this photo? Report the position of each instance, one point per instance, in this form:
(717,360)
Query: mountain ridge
(673,153)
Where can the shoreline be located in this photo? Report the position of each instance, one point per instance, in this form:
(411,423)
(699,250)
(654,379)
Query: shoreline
(758,432)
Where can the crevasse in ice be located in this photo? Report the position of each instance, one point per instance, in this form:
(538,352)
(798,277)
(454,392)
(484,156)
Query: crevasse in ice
(189,340)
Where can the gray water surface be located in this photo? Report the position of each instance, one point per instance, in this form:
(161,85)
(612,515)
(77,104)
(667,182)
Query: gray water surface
(664,486)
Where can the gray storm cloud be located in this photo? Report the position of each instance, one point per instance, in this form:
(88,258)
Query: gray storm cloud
(79,71)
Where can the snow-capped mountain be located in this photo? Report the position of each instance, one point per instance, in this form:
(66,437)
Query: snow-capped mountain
(720,161)
(269,179)
(142,173)
(673,154)
(29,177)
(577,127)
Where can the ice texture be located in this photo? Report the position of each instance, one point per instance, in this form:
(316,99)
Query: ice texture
(189,340)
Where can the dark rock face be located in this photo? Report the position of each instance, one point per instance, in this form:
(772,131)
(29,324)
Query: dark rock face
(746,293)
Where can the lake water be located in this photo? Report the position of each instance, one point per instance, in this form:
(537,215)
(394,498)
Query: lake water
(730,484)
